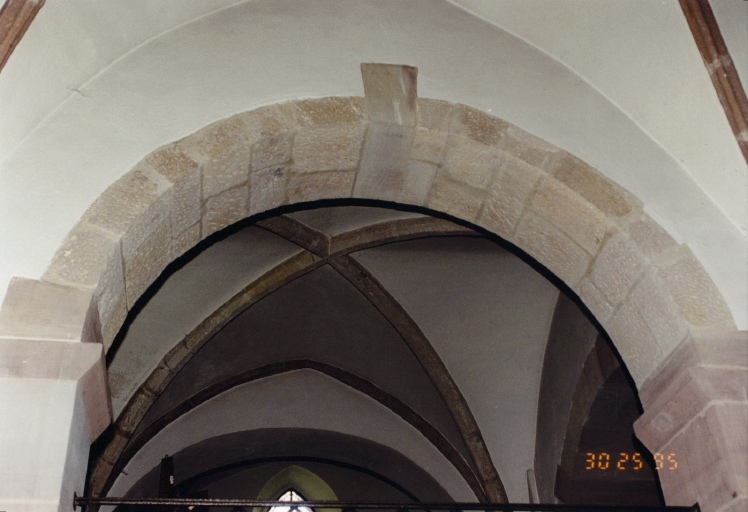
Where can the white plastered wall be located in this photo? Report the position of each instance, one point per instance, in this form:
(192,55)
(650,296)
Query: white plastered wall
(94,86)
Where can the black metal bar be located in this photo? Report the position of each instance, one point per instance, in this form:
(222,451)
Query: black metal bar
(450,507)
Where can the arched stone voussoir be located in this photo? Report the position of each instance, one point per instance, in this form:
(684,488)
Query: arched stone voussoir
(590,232)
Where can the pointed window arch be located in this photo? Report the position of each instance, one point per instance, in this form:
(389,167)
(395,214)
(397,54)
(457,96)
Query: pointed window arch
(291,495)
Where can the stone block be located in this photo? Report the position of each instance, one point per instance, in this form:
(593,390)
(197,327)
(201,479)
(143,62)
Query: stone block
(434,115)
(617,267)
(98,475)
(552,248)
(172,162)
(429,146)
(330,111)
(384,161)
(390,92)
(598,189)
(177,357)
(570,213)
(130,418)
(454,198)
(635,342)
(224,210)
(330,148)
(111,300)
(223,152)
(126,199)
(267,121)
(42,310)
(694,292)
(158,214)
(659,312)
(158,379)
(595,301)
(528,148)
(508,195)
(267,189)
(186,240)
(471,163)
(83,257)
(649,236)
(272,151)
(477,125)
(320,185)
(186,202)
(417,182)
(144,261)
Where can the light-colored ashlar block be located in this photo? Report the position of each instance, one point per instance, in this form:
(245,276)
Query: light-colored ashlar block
(471,163)
(477,125)
(595,300)
(384,162)
(417,182)
(42,310)
(223,152)
(508,195)
(617,267)
(267,189)
(551,248)
(434,115)
(649,236)
(570,213)
(454,198)
(224,210)
(145,260)
(330,111)
(598,189)
(391,93)
(83,256)
(320,185)
(329,148)
(694,291)
(659,311)
(635,341)
(187,239)
(429,145)
(528,148)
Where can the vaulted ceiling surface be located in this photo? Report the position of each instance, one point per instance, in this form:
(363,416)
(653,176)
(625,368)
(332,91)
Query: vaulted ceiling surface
(484,313)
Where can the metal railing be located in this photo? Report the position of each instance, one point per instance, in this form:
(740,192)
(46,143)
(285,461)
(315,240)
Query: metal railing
(248,505)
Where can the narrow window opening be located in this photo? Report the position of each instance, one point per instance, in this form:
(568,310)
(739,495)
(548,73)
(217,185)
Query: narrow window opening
(290,495)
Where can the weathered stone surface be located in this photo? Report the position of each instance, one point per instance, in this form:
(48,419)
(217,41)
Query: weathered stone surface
(137,406)
(156,216)
(144,261)
(177,357)
(330,111)
(616,268)
(391,92)
(634,340)
(477,125)
(272,151)
(333,148)
(158,379)
(42,310)
(83,256)
(417,182)
(99,474)
(320,185)
(471,163)
(659,312)
(434,115)
(528,148)
(508,195)
(186,201)
(114,448)
(429,145)
(594,299)
(267,121)
(552,248)
(598,189)
(570,213)
(223,152)
(172,162)
(454,198)
(651,238)
(186,240)
(384,161)
(268,189)
(695,293)
(125,200)
(225,209)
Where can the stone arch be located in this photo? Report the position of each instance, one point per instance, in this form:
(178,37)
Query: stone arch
(646,290)
(649,292)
